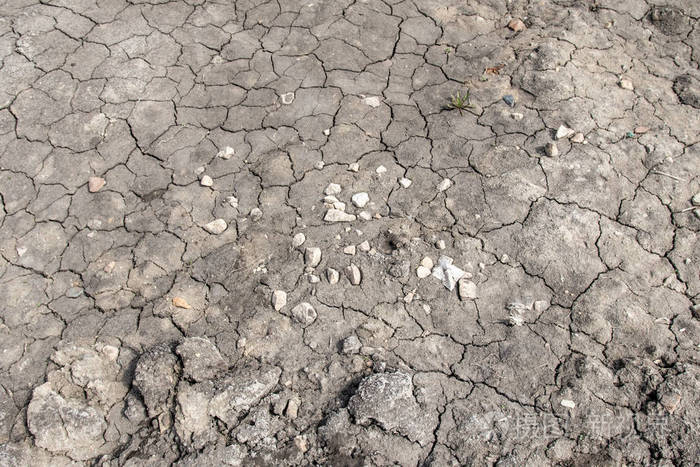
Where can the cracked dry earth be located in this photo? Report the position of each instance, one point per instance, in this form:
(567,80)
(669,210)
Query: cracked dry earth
(224,226)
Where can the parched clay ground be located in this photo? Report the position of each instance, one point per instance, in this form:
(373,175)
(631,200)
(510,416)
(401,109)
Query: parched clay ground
(224,225)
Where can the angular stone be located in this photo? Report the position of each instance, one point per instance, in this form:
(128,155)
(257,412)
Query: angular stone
(335,215)
(95,183)
(373,101)
(360,200)
(364,246)
(279,299)
(467,290)
(564,132)
(354,274)
(551,149)
(447,273)
(206,180)
(298,240)
(332,275)
(155,378)
(516,25)
(304,313)
(444,184)
(351,345)
(333,189)
(226,153)
(422,272)
(349,250)
(577,138)
(312,257)
(405,182)
(287,98)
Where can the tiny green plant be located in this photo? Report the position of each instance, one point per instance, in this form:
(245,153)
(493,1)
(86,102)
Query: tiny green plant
(460,101)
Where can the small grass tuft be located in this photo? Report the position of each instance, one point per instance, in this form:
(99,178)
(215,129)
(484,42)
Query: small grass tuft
(460,101)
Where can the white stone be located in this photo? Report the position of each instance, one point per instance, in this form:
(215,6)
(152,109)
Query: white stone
(467,290)
(330,199)
(95,183)
(349,250)
(517,116)
(304,313)
(206,181)
(333,189)
(351,345)
(287,98)
(327,132)
(365,216)
(312,257)
(335,215)
(226,153)
(319,165)
(364,246)
(541,305)
(444,184)
(568,403)
(696,199)
(199,171)
(279,299)
(373,101)
(339,205)
(626,84)
(354,167)
(551,149)
(380,170)
(354,274)
(314,279)
(578,138)
(405,182)
(298,240)
(216,226)
(422,272)
(564,132)
(360,200)
(256,214)
(332,275)
(441,244)
(232,201)
(427,262)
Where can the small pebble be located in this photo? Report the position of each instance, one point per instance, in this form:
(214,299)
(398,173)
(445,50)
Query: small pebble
(695,199)
(206,181)
(287,98)
(510,100)
(333,189)
(364,246)
(312,257)
(440,244)
(110,267)
(332,275)
(314,279)
(95,183)
(444,184)
(354,167)
(577,138)
(256,214)
(335,215)
(568,403)
(180,302)
(339,205)
(381,169)
(365,216)
(360,200)
(516,25)
(405,182)
(427,263)
(327,132)
(349,250)
(351,345)
(373,101)
(517,116)
(626,84)
(541,305)
(199,171)
(216,226)
(466,290)
(298,240)
(354,275)
(551,149)
(564,132)
(319,165)
(422,272)
(21,250)
(232,201)
(304,313)
(74,292)
(640,130)
(279,299)
(225,153)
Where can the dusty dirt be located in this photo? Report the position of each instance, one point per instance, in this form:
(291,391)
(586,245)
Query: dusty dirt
(229,231)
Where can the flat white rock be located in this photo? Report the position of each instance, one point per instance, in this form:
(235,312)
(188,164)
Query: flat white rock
(279,299)
(568,403)
(444,184)
(335,215)
(373,101)
(405,182)
(349,250)
(354,274)
(564,132)
(422,272)
(446,272)
(206,181)
(298,240)
(333,189)
(364,246)
(216,226)
(304,313)
(332,275)
(226,153)
(467,290)
(312,256)
(360,199)
(380,170)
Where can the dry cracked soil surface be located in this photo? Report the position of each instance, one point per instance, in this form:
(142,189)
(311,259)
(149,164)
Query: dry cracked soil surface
(352,232)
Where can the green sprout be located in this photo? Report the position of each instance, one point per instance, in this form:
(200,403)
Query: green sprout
(460,101)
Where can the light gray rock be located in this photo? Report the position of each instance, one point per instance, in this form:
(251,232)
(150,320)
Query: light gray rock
(304,313)
(312,257)
(279,299)
(351,345)
(332,275)
(200,358)
(335,215)
(467,290)
(155,378)
(216,227)
(354,274)
(298,240)
(446,272)
(333,189)
(360,200)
